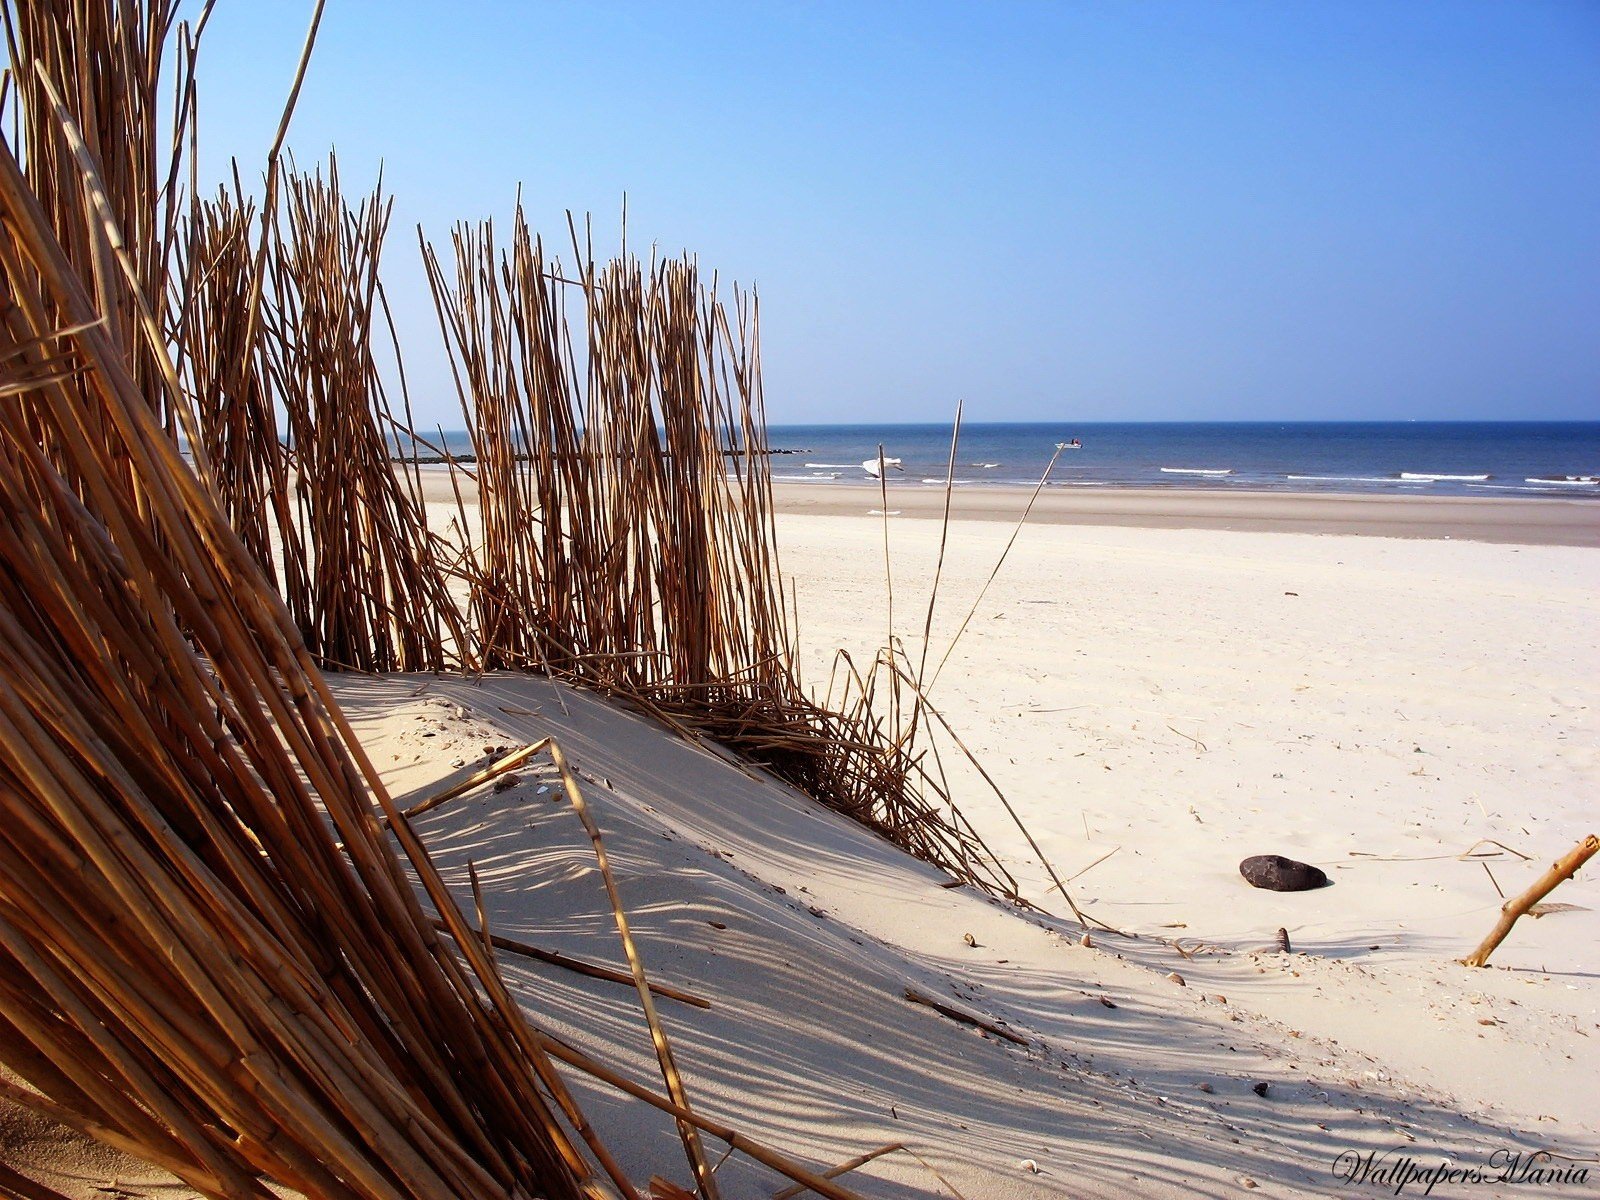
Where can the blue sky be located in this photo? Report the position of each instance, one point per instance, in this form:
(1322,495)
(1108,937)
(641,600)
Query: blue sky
(1076,211)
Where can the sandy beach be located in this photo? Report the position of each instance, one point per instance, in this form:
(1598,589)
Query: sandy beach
(1415,715)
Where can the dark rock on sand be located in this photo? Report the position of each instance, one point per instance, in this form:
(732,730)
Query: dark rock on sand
(1279,874)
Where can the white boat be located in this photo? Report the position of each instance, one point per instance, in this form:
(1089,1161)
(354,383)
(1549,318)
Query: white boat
(1073,445)
(870,466)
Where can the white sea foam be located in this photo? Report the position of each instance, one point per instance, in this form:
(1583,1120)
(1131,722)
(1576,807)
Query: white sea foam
(1196,471)
(1515,487)
(941,479)
(1566,480)
(1422,477)
(826,466)
(985,466)
(1345,478)
(813,478)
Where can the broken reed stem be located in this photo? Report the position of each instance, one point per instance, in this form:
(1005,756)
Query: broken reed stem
(499,767)
(582,967)
(1563,868)
(844,1168)
(965,1018)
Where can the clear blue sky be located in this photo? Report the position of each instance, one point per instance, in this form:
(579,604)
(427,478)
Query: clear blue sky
(1078,211)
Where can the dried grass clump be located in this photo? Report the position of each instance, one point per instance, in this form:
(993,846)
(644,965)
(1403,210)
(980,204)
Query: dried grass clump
(209,954)
(124,75)
(226,383)
(623,532)
(366,591)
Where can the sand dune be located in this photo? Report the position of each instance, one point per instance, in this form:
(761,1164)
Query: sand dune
(1176,698)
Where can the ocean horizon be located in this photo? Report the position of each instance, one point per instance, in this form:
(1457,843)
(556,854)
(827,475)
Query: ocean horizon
(1504,458)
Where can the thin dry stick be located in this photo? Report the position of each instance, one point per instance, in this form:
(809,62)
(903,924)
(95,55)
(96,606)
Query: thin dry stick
(582,967)
(844,1168)
(1000,562)
(944,536)
(965,1018)
(499,767)
(1563,868)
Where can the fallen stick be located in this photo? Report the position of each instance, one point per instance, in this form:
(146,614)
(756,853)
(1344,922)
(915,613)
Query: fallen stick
(580,966)
(1563,868)
(966,1018)
(859,1160)
(515,759)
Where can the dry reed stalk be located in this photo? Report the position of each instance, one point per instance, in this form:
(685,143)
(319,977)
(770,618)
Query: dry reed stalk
(227,385)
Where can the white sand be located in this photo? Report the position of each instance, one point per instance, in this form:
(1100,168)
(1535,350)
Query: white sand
(1413,698)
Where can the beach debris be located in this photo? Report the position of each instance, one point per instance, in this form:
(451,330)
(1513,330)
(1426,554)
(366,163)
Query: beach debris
(507,781)
(1563,868)
(1106,1002)
(969,939)
(1544,910)
(1283,939)
(1174,977)
(577,965)
(1086,940)
(1276,873)
(1029,1165)
(1205,1087)
(874,466)
(1260,1088)
(965,1018)
(716,924)
(497,770)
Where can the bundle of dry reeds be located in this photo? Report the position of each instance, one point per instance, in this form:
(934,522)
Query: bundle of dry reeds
(124,75)
(225,381)
(624,535)
(209,955)
(365,589)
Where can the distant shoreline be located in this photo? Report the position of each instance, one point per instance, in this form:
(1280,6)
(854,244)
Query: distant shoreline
(1515,520)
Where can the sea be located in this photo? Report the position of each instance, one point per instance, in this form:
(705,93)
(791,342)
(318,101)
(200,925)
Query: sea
(1411,457)
(1435,458)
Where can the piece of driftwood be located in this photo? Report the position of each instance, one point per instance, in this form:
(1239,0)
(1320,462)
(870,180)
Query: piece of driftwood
(581,967)
(1563,868)
(966,1018)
